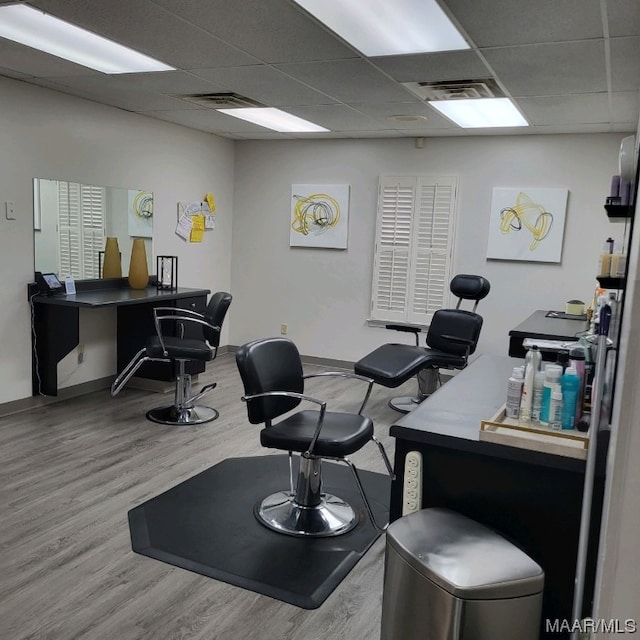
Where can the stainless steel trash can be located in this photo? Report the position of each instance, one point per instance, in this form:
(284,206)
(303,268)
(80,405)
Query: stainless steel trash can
(448,577)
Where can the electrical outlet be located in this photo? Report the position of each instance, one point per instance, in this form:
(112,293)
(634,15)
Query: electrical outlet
(283,329)
(10,210)
(412,483)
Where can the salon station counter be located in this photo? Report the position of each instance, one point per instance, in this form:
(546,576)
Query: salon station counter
(56,325)
(532,498)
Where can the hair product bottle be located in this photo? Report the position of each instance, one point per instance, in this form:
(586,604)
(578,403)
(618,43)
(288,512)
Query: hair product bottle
(538,384)
(552,375)
(570,391)
(532,363)
(555,408)
(514,391)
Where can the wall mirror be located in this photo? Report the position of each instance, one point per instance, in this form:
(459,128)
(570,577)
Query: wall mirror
(71,222)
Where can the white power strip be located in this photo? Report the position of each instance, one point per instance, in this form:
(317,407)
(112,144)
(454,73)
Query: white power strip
(412,484)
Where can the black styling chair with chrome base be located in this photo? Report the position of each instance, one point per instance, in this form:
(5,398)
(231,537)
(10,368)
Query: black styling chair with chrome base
(168,348)
(271,371)
(452,337)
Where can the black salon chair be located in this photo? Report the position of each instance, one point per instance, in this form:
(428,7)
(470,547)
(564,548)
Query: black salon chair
(452,337)
(271,371)
(166,347)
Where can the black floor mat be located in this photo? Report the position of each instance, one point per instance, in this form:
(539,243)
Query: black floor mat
(206,525)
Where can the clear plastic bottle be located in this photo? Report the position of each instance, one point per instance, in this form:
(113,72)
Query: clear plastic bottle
(538,384)
(514,391)
(532,363)
(570,390)
(555,408)
(552,375)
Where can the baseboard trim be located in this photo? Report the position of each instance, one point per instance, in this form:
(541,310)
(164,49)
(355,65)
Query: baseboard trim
(315,360)
(34,402)
(157,386)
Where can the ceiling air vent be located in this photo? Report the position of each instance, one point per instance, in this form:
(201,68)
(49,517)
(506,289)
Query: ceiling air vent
(220,100)
(455,89)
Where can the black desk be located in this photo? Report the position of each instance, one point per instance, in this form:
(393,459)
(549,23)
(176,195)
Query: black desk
(56,325)
(532,498)
(537,325)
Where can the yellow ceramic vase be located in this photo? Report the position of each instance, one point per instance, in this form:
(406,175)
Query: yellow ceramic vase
(111,265)
(138,270)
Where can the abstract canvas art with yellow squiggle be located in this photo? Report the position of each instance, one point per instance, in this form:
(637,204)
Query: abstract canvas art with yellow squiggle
(319,216)
(527,224)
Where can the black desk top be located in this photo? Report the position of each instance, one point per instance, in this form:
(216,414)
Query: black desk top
(537,325)
(451,416)
(118,297)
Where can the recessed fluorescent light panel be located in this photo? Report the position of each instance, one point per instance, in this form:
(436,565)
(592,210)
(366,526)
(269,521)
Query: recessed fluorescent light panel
(39,30)
(274,119)
(386,28)
(479,113)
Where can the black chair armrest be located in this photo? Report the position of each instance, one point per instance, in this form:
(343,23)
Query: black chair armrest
(406,328)
(403,327)
(459,340)
(347,374)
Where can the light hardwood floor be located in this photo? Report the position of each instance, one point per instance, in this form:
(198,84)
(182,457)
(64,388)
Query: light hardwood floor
(69,472)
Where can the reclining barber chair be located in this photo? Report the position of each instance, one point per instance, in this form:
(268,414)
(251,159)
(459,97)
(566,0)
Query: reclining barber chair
(452,337)
(165,346)
(271,371)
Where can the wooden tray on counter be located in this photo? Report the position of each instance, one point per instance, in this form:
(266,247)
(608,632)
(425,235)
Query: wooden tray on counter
(508,431)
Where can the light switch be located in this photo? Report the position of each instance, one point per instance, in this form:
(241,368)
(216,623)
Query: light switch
(10,210)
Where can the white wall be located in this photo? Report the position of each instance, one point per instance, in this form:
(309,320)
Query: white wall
(47,134)
(324,295)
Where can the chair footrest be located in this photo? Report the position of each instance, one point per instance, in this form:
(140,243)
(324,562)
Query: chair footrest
(393,364)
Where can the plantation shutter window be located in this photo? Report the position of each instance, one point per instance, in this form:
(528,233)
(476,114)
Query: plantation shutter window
(81,220)
(414,247)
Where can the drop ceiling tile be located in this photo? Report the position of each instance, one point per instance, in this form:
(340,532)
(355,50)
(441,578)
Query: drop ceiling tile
(382,111)
(625,63)
(110,90)
(146,27)
(493,23)
(624,17)
(207,120)
(32,62)
(338,117)
(347,80)
(432,67)
(587,108)
(271,31)
(264,84)
(625,106)
(10,73)
(167,82)
(550,69)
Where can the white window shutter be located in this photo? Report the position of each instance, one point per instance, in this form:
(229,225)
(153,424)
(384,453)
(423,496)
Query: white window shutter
(93,205)
(81,214)
(396,201)
(432,247)
(414,247)
(69,229)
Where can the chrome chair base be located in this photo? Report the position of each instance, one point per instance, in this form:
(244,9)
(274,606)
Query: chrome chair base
(428,382)
(405,404)
(173,415)
(331,517)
